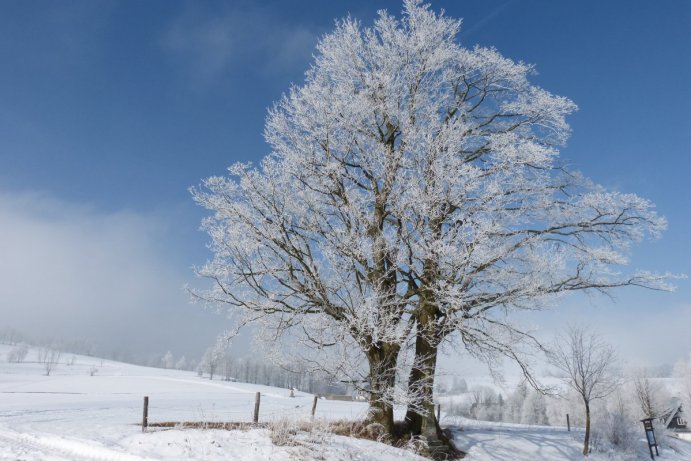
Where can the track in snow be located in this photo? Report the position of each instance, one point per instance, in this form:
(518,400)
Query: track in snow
(25,447)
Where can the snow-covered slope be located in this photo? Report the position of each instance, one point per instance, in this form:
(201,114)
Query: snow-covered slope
(71,415)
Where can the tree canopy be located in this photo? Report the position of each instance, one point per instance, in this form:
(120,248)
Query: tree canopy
(413,194)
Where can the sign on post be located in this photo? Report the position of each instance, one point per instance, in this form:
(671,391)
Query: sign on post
(650,436)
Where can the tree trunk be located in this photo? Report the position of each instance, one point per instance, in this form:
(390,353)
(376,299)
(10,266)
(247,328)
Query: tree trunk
(420,418)
(382,378)
(586,440)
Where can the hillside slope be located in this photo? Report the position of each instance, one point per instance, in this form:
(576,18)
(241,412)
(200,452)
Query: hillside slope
(72,415)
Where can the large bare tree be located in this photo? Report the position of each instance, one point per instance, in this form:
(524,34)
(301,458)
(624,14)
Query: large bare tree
(414,195)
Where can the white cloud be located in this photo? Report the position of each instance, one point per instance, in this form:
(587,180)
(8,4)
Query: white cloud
(69,271)
(210,44)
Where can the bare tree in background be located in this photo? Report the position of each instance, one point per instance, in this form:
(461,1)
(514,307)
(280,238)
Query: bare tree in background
(647,394)
(18,353)
(50,357)
(587,361)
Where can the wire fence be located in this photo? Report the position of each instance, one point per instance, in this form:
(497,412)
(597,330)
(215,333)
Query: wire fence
(162,410)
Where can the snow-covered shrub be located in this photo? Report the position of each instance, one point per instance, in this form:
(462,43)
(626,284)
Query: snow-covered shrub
(417,445)
(283,431)
(318,432)
(616,428)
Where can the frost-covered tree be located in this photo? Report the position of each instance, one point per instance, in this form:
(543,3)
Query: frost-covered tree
(168,361)
(587,362)
(486,404)
(459,386)
(212,357)
(413,193)
(227,366)
(181,364)
(534,409)
(649,395)
(514,404)
(682,371)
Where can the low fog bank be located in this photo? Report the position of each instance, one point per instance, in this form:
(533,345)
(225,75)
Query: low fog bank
(113,280)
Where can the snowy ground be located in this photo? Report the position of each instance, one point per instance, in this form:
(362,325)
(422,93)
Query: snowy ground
(71,415)
(485,441)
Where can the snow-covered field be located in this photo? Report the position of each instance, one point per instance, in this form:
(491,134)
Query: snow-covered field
(485,441)
(71,415)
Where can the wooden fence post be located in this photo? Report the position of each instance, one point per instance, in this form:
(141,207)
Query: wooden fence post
(568,423)
(145,418)
(314,405)
(256,407)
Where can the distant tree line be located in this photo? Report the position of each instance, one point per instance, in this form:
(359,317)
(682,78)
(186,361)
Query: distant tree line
(218,361)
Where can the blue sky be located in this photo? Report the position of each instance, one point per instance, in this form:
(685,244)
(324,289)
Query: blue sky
(109,111)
